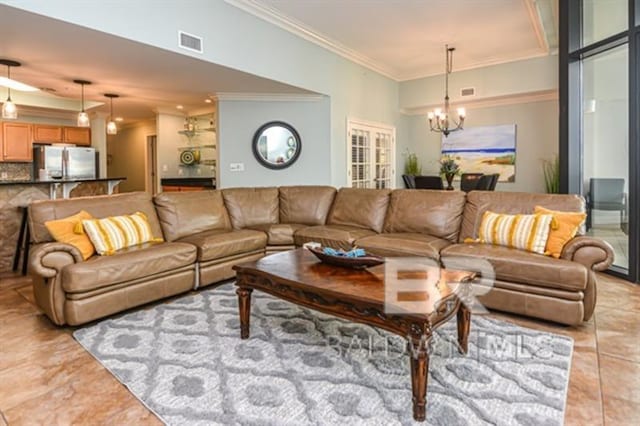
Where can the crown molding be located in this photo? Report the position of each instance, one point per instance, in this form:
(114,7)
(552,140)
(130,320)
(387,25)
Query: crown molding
(275,17)
(483,64)
(268,97)
(517,98)
(293,26)
(536,23)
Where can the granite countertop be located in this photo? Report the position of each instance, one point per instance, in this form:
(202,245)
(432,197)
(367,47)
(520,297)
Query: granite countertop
(48,182)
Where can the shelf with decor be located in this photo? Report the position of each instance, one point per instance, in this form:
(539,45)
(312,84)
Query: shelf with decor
(195,132)
(191,147)
(197,153)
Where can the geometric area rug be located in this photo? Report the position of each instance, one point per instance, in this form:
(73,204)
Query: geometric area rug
(185,361)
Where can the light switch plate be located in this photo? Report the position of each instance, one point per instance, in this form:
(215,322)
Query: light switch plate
(236,167)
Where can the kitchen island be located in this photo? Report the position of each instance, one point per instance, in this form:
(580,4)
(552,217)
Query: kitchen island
(19,193)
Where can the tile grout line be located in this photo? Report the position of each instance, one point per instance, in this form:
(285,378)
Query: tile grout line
(595,325)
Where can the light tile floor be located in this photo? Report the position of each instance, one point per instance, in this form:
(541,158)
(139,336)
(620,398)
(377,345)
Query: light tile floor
(47,378)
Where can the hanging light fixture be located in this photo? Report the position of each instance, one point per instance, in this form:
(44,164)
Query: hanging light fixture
(9,110)
(443,122)
(112,128)
(83,117)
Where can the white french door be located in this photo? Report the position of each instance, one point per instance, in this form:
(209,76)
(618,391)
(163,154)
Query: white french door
(371,155)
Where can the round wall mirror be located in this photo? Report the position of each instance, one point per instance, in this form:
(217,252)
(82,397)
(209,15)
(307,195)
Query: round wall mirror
(276,145)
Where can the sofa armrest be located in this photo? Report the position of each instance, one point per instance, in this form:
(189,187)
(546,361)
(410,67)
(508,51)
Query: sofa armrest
(593,253)
(48,259)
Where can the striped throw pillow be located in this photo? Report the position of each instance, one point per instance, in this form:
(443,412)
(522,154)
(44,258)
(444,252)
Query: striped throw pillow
(117,232)
(522,231)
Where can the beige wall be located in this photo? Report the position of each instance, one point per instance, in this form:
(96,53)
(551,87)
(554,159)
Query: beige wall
(536,139)
(127,151)
(519,78)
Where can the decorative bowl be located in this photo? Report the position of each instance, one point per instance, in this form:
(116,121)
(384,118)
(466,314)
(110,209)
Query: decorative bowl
(361,262)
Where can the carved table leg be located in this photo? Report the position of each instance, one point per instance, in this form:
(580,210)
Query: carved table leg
(464,326)
(244,304)
(419,373)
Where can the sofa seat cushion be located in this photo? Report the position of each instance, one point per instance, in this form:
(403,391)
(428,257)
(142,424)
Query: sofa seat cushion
(336,236)
(403,244)
(126,265)
(278,234)
(519,266)
(218,244)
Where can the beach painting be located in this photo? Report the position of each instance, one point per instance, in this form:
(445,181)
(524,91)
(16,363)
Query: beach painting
(486,149)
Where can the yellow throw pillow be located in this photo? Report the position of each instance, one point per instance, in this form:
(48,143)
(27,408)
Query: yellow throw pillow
(117,232)
(564,227)
(62,230)
(522,231)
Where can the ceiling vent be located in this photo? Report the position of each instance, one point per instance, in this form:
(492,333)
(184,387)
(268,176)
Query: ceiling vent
(190,42)
(468,91)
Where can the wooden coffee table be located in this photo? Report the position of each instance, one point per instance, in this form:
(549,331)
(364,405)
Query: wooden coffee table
(359,295)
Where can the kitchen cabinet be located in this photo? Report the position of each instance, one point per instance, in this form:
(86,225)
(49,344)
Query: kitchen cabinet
(45,133)
(77,135)
(16,142)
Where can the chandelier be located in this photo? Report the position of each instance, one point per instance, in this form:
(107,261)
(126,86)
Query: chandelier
(439,119)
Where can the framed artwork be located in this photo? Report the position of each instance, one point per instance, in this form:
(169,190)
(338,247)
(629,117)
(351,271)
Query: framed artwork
(485,149)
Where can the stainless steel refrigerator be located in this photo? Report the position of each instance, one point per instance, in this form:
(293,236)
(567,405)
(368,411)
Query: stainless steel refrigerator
(64,162)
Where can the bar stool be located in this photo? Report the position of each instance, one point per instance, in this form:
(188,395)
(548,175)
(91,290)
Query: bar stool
(24,241)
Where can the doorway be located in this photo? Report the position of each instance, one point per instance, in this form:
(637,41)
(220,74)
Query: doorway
(371,153)
(599,133)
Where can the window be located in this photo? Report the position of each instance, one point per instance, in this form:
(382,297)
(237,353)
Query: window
(370,155)
(603,18)
(599,132)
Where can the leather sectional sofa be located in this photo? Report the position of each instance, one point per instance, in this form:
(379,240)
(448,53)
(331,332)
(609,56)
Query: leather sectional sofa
(208,232)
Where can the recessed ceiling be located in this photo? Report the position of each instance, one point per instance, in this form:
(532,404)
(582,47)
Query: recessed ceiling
(54,53)
(405,39)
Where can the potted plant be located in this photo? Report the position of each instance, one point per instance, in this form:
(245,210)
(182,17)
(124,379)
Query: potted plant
(449,169)
(412,166)
(551,171)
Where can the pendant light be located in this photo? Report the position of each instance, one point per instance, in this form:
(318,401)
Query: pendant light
(112,129)
(9,110)
(83,117)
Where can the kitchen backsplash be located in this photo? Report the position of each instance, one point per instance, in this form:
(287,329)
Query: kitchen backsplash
(16,171)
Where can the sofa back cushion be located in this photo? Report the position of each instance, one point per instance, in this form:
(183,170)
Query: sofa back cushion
(98,206)
(437,213)
(306,205)
(187,213)
(479,202)
(359,207)
(251,206)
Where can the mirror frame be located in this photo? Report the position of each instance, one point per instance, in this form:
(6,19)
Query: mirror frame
(258,134)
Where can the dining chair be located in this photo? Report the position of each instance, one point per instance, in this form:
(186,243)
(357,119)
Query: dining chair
(409,181)
(469,181)
(429,182)
(488,182)
(606,194)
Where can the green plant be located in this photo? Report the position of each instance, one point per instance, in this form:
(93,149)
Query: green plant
(551,171)
(412,166)
(448,165)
